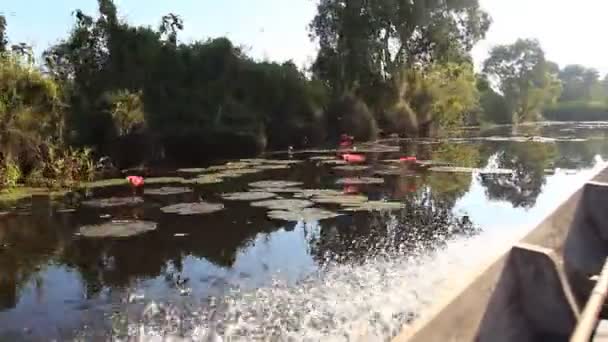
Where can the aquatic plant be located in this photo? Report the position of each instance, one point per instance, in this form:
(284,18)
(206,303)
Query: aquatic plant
(306,215)
(196,208)
(248,196)
(117,229)
(283,204)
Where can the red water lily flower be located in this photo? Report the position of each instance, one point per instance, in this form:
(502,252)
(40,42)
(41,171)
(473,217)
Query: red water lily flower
(136,181)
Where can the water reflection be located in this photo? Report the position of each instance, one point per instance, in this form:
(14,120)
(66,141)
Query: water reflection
(53,282)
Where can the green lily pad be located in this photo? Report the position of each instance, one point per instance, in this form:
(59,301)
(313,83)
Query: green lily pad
(253,161)
(117,229)
(307,193)
(274,184)
(321,158)
(193,170)
(196,208)
(290,190)
(452,169)
(376,206)
(372,148)
(360,180)
(284,162)
(333,162)
(306,215)
(432,163)
(164,180)
(273,167)
(351,168)
(236,173)
(283,204)
(113,202)
(394,171)
(167,191)
(341,199)
(105,183)
(248,196)
(204,179)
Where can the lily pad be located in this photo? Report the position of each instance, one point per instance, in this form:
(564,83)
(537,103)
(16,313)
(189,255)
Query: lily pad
(196,208)
(322,158)
(307,193)
(236,173)
(117,229)
(376,206)
(290,190)
(193,170)
(164,180)
(341,199)
(274,184)
(273,167)
(306,215)
(205,179)
(248,196)
(113,202)
(333,162)
(253,161)
(431,163)
(360,180)
(373,148)
(351,168)
(452,169)
(283,161)
(394,171)
(283,204)
(167,191)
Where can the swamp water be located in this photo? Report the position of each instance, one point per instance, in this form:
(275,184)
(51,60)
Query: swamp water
(298,247)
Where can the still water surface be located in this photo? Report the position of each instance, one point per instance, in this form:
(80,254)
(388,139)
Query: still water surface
(238,275)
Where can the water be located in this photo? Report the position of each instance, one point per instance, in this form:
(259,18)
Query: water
(237,275)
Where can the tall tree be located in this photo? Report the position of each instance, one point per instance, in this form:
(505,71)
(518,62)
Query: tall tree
(362,41)
(3,37)
(579,83)
(526,79)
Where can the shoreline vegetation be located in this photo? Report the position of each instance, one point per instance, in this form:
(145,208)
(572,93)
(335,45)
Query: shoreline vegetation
(142,97)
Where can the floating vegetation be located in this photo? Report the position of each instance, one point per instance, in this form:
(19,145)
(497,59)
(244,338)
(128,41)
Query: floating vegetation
(62,211)
(105,183)
(274,184)
(196,208)
(273,167)
(253,161)
(204,179)
(236,173)
(333,162)
(289,190)
(283,204)
(306,215)
(394,171)
(167,191)
(373,148)
(519,139)
(432,163)
(283,161)
(452,169)
(117,229)
(321,158)
(248,196)
(347,200)
(376,206)
(194,170)
(113,202)
(351,168)
(164,180)
(307,193)
(360,180)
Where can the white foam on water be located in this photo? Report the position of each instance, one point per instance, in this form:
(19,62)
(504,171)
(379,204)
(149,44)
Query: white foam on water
(370,300)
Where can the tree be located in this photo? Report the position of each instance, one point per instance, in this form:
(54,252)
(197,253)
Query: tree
(3,37)
(363,41)
(579,83)
(169,26)
(526,80)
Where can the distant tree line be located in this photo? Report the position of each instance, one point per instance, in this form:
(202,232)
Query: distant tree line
(139,95)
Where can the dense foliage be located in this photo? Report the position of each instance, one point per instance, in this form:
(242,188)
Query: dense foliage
(139,95)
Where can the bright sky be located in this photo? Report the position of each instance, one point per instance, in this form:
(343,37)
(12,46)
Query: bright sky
(569,31)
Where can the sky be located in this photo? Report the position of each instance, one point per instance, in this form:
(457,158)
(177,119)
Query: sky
(571,32)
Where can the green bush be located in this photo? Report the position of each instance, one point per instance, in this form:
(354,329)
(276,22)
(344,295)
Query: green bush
(577,111)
